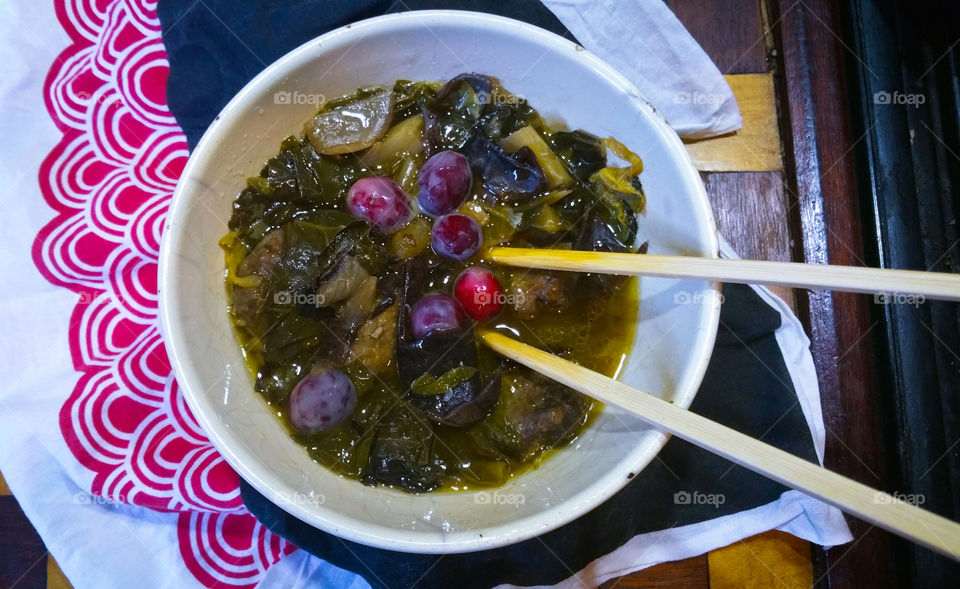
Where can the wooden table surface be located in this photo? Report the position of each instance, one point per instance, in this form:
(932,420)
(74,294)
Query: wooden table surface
(765,204)
(745,180)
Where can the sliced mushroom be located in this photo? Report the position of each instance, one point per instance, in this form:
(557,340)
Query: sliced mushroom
(353,126)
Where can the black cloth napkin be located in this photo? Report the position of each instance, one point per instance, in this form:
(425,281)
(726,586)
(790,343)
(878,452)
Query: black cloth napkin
(215,47)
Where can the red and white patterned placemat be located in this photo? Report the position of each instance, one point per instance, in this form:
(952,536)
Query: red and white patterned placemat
(110,180)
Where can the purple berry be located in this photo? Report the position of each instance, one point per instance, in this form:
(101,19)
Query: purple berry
(456,236)
(321,400)
(435,311)
(381,202)
(444,182)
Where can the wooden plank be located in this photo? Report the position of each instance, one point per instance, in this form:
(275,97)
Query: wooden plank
(756,146)
(907,52)
(55,577)
(4,489)
(730,31)
(771,559)
(690,573)
(821,176)
(750,210)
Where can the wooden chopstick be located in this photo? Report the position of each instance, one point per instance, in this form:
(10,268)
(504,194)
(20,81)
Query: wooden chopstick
(911,522)
(910,285)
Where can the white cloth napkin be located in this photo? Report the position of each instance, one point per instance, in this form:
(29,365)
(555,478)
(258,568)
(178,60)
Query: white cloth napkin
(646,43)
(103,545)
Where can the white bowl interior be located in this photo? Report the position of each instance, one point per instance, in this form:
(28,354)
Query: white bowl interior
(673,341)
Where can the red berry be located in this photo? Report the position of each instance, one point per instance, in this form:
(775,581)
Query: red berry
(478,292)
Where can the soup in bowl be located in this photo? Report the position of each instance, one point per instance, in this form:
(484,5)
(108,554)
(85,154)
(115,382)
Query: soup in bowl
(333,359)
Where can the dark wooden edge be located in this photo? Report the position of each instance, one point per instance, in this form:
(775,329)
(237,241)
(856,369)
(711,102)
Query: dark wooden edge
(825,217)
(906,110)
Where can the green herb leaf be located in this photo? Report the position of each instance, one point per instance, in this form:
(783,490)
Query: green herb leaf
(427,385)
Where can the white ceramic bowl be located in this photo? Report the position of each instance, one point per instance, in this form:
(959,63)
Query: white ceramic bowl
(677,319)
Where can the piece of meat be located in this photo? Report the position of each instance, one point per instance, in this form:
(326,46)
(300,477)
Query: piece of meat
(348,276)
(248,301)
(542,413)
(533,291)
(374,345)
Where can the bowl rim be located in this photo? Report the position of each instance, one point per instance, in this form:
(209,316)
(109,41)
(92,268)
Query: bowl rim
(388,537)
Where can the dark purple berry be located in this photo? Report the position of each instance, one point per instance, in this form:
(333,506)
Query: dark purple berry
(444,182)
(435,311)
(321,400)
(456,236)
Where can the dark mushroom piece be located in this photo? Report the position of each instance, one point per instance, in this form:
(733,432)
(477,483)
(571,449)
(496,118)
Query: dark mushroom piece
(582,152)
(448,119)
(511,177)
(598,235)
(481,84)
(435,354)
(402,454)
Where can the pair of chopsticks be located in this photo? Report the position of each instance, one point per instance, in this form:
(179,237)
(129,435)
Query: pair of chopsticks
(934,285)
(882,509)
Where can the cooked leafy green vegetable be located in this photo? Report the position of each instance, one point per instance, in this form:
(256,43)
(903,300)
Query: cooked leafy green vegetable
(553,170)
(614,181)
(315,290)
(428,385)
(581,152)
(410,97)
